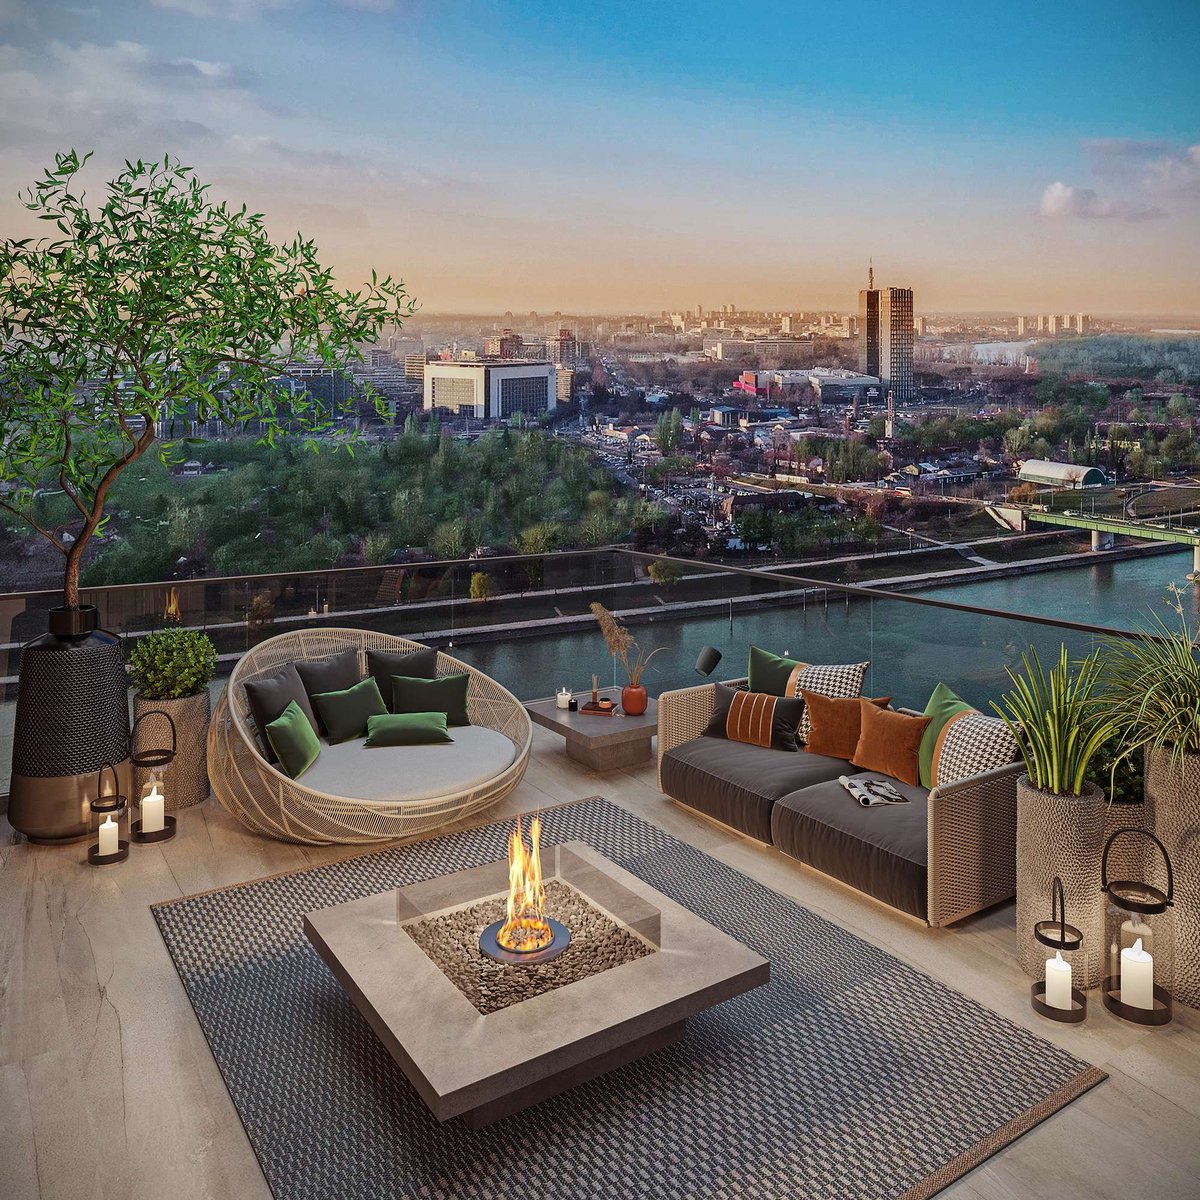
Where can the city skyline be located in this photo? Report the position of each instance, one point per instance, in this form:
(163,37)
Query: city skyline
(618,159)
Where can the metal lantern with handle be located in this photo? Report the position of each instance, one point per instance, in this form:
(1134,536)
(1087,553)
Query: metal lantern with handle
(1139,931)
(1056,996)
(153,823)
(108,842)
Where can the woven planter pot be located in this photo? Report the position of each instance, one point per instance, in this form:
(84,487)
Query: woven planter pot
(185,781)
(1063,836)
(1173,801)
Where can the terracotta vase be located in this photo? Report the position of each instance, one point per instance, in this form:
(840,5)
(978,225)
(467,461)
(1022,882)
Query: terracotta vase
(633,700)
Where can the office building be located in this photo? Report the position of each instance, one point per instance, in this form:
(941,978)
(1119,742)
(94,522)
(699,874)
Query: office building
(505,345)
(1054,324)
(1023,327)
(490,390)
(1083,322)
(886,337)
(414,365)
(921,326)
(564,384)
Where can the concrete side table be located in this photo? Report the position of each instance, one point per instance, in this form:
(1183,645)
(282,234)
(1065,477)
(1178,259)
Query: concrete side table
(597,742)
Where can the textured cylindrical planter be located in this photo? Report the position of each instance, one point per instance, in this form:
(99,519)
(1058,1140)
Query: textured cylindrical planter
(185,781)
(1127,859)
(1173,800)
(72,719)
(1063,836)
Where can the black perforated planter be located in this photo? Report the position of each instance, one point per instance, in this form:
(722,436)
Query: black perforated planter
(72,719)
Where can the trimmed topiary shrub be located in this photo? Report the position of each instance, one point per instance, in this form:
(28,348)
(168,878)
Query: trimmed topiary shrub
(172,663)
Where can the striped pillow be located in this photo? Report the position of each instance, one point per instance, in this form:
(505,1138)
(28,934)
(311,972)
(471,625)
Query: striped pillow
(756,718)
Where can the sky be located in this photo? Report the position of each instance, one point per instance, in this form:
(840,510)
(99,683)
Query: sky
(603,157)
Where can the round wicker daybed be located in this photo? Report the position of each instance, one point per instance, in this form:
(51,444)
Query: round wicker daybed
(268,801)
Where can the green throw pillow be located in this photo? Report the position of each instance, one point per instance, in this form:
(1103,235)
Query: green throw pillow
(294,740)
(943,704)
(769,672)
(345,714)
(407,729)
(446,694)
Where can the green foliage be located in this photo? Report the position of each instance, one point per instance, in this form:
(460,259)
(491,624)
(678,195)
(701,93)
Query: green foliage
(155,306)
(1164,359)
(665,574)
(1152,684)
(172,663)
(1058,720)
(483,586)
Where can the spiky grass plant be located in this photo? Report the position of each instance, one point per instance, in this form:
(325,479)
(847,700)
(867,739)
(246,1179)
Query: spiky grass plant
(1058,719)
(621,644)
(1152,684)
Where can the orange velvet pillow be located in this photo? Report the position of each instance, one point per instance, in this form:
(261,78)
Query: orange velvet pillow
(889,742)
(834,723)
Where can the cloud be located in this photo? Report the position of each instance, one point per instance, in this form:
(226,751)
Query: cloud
(227,10)
(1064,201)
(1175,174)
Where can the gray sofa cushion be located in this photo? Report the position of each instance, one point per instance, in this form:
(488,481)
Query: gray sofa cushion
(737,784)
(881,851)
(269,695)
(361,772)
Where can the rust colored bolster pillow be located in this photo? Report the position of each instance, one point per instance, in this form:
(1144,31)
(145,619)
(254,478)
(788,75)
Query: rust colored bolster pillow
(834,723)
(889,742)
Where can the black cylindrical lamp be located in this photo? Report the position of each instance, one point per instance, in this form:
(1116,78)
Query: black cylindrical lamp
(1055,996)
(706,662)
(1140,932)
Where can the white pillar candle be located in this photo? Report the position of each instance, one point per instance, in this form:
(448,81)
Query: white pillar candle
(1058,981)
(1133,929)
(109,843)
(152,811)
(1137,977)
(563,697)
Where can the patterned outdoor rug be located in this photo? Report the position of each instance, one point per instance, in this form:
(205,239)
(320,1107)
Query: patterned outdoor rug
(850,1076)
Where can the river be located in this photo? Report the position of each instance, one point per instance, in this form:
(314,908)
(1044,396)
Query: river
(911,646)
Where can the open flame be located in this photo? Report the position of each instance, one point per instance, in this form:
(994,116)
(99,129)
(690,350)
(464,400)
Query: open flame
(526,928)
(171,609)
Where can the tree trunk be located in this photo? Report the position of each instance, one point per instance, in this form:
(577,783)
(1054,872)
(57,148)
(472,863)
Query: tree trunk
(71,576)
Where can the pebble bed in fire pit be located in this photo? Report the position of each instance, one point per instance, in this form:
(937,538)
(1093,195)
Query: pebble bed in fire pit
(452,941)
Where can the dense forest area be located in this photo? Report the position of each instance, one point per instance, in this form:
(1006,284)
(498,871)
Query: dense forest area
(253,510)
(1164,359)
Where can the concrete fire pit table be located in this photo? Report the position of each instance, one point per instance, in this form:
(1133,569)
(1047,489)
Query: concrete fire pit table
(485,1067)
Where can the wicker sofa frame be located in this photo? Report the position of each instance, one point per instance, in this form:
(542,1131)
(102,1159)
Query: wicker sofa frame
(269,802)
(972,822)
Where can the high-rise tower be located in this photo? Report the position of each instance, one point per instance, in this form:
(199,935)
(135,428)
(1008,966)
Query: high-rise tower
(886,337)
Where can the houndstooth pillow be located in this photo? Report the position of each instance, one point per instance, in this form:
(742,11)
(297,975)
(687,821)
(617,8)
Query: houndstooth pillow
(838,681)
(970,743)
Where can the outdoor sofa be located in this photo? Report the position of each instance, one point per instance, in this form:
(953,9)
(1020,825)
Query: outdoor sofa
(948,853)
(352,794)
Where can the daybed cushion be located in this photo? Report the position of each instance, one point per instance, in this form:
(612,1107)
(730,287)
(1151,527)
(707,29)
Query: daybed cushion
(882,851)
(383,664)
(737,784)
(269,695)
(359,772)
(322,675)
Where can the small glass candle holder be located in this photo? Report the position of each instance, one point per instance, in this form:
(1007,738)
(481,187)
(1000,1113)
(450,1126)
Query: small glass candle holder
(153,823)
(563,697)
(109,821)
(1139,931)
(1056,996)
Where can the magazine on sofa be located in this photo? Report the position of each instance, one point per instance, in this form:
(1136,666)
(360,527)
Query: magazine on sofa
(871,793)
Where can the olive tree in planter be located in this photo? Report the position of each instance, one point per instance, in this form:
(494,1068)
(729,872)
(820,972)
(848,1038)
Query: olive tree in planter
(152,308)
(171,669)
(1060,724)
(1152,688)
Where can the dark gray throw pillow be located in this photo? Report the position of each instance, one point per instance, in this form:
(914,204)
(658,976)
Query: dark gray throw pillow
(757,718)
(323,675)
(414,664)
(447,694)
(269,695)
